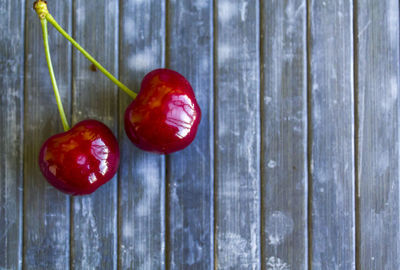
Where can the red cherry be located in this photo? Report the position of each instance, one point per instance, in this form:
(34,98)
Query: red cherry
(165,115)
(80,160)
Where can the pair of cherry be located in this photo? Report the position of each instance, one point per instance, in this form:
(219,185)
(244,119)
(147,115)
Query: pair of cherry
(163,118)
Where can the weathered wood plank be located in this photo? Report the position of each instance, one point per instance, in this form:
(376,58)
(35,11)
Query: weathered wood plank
(94,217)
(190,183)
(237,135)
(12,18)
(142,178)
(46,210)
(332,129)
(378,153)
(284,134)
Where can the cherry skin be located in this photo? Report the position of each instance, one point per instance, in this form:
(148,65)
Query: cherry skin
(165,115)
(80,160)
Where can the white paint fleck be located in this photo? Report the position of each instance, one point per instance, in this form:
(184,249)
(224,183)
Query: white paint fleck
(129,28)
(297,129)
(226,10)
(290,17)
(393,22)
(272,164)
(393,88)
(112,8)
(291,14)
(274,240)
(278,227)
(200,4)
(243,11)
(136,2)
(235,133)
(364,28)
(267,99)
(225,52)
(127,229)
(80,15)
(142,61)
(275,263)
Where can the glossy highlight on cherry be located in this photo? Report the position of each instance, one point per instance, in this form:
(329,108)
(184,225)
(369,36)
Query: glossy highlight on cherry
(165,116)
(79,161)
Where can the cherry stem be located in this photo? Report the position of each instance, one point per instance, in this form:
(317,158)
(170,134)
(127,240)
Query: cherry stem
(52,77)
(41,8)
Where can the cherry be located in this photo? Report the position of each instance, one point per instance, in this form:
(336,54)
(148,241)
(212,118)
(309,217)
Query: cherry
(83,158)
(80,160)
(165,115)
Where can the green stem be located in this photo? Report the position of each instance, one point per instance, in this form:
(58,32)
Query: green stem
(88,56)
(53,78)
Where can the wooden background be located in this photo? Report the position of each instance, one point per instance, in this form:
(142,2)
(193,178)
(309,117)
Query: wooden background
(296,164)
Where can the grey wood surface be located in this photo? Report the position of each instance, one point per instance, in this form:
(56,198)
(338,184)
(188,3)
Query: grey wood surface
(284,134)
(237,139)
(190,172)
(94,217)
(295,165)
(11,139)
(378,133)
(331,135)
(142,175)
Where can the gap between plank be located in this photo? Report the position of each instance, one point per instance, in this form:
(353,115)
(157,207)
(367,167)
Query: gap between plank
(215,127)
(309,136)
(21,242)
(262,144)
(356,141)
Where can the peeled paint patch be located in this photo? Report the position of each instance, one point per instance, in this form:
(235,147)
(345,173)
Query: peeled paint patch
(274,263)
(278,227)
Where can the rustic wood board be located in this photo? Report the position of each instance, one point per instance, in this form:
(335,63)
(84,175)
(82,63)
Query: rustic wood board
(237,139)
(46,210)
(142,175)
(296,163)
(331,87)
(284,134)
(11,135)
(190,177)
(94,217)
(378,133)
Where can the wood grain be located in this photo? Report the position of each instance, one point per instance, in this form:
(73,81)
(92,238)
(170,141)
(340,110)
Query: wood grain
(237,135)
(284,139)
(11,132)
(190,182)
(142,174)
(320,121)
(46,210)
(332,135)
(94,217)
(378,154)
